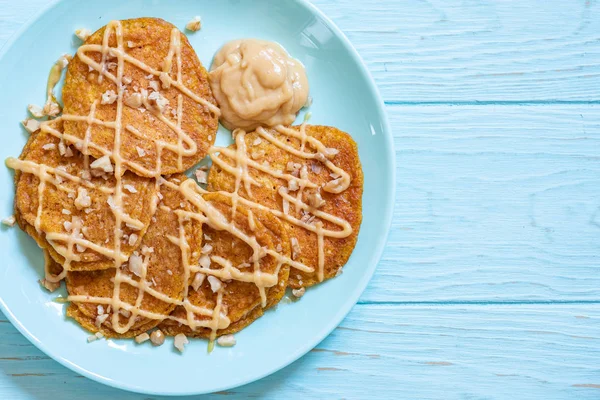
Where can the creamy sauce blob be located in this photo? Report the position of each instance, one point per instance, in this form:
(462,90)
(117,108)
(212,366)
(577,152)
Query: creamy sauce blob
(270,98)
(256,83)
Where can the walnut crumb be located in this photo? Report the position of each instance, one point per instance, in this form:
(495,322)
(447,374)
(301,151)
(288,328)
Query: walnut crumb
(180,341)
(226,341)
(194,25)
(299,292)
(9,221)
(31,125)
(142,337)
(83,33)
(35,111)
(215,283)
(108,97)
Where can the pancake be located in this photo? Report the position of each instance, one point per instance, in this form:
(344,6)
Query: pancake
(284,162)
(74,208)
(165,273)
(240,303)
(179,116)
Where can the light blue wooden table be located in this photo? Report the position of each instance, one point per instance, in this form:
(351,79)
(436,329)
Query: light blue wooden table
(490,284)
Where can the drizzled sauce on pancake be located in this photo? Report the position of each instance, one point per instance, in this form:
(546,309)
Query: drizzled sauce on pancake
(203,210)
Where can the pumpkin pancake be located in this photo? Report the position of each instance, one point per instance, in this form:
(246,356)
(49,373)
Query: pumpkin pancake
(159,264)
(168,116)
(321,168)
(75,218)
(227,256)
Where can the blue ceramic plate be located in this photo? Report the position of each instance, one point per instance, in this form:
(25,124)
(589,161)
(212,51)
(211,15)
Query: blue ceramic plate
(344,96)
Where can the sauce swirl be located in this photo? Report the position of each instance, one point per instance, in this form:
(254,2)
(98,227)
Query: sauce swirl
(257,83)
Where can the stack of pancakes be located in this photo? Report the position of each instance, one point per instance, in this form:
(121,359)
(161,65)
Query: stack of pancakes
(102,190)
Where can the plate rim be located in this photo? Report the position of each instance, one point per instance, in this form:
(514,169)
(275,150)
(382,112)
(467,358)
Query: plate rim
(354,296)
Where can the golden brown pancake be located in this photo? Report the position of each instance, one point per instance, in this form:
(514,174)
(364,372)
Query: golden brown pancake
(147,40)
(63,203)
(241,301)
(346,205)
(165,270)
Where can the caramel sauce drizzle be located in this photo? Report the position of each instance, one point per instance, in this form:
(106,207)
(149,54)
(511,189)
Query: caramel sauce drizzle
(204,212)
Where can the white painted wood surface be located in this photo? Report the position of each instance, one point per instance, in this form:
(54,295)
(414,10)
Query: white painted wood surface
(473,50)
(494,203)
(390,352)
(489,287)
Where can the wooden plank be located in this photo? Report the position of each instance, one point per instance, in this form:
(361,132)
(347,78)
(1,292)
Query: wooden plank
(493,204)
(457,51)
(393,351)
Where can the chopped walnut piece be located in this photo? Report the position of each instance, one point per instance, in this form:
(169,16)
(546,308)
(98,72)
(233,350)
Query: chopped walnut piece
(180,341)
(226,341)
(299,292)
(68,226)
(206,249)
(133,239)
(157,337)
(316,167)
(130,188)
(51,108)
(194,24)
(142,337)
(315,200)
(198,280)
(339,271)
(141,152)
(102,164)
(35,111)
(215,283)
(68,152)
(94,337)
(108,97)
(136,264)
(293,185)
(134,101)
(147,250)
(83,33)
(153,85)
(204,261)
(100,319)
(31,125)
(158,100)
(83,200)
(201,176)
(9,221)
